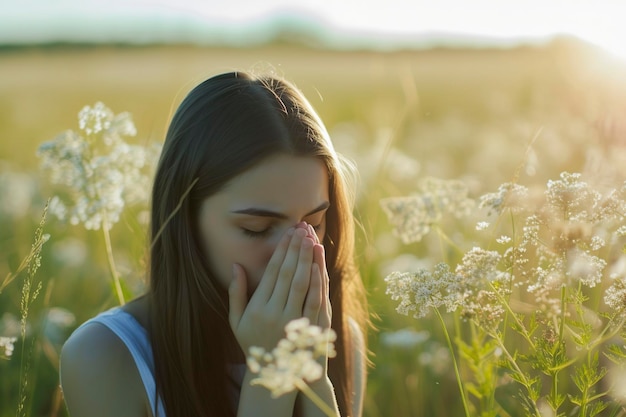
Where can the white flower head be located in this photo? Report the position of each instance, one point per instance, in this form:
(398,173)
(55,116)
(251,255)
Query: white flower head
(509,195)
(503,240)
(615,297)
(99,172)
(597,243)
(482,226)
(422,290)
(412,217)
(7,345)
(571,197)
(294,361)
(585,267)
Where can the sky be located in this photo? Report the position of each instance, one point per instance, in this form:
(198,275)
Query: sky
(343,23)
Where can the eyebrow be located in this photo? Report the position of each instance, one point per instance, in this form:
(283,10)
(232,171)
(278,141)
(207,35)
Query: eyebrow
(253,211)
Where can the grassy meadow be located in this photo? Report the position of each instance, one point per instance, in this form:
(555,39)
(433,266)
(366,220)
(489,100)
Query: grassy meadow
(482,116)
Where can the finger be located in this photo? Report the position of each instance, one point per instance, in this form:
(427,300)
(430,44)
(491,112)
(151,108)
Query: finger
(319,257)
(236,296)
(313,301)
(325,314)
(287,270)
(268,281)
(301,280)
(313,234)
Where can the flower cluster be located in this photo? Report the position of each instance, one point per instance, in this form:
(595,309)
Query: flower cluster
(99,170)
(413,216)
(422,290)
(509,195)
(293,361)
(7,345)
(564,239)
(476,287)
(553,258)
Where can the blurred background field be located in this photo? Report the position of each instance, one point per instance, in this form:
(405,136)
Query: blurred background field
(482,115)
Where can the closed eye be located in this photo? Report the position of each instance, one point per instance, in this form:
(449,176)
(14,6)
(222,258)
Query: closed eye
(256,233)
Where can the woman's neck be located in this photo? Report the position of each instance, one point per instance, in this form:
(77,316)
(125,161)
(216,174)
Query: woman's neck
(138,308)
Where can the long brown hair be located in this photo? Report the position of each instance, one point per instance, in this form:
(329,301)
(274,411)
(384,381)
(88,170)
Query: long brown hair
(223,127)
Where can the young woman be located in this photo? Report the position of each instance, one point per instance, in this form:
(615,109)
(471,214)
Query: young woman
(252,227)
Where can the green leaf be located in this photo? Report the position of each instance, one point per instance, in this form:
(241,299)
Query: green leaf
(616,353)
(597,407)
(555,400)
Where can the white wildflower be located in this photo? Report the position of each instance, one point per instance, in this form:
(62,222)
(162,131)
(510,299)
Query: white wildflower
(422,290)
(531,230)
(94,120)
(7,345)
(293,361)
(482,226)
(546,287)
(503,240)
(412,217)
(507,196)
(585,267)
(612,206)
(480,265)
(99,171)
(480,284)
(597,243)
(615,297)
(571,197)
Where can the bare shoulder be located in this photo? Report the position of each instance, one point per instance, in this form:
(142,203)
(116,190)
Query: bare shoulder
(99,376)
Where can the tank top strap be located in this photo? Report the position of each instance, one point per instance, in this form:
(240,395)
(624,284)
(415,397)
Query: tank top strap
(135,337)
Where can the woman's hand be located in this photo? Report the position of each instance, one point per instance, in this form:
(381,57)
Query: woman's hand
(318,308)
(294,284)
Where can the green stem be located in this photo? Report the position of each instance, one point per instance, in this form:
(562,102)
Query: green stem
(444,237)
(555,373)
(584,400)
(522,377)
(114,274)
(523,332)
(311,395)
(454,362)
(604,337)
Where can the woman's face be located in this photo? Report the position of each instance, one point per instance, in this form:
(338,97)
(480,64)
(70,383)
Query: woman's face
(244,221)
